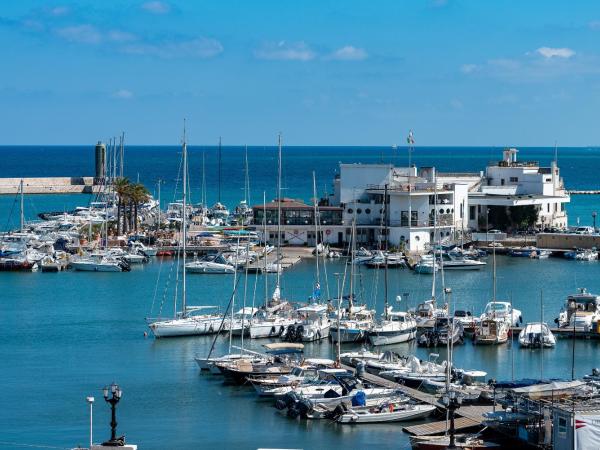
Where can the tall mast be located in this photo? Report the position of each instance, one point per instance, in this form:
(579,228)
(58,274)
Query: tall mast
(184,220)
(158,225)
(247,180)
(219,192)
(279,211)
(265,248)
(316,214)
(434,238)
(385,259)
(494,278)
(352,247)
(22,213)
(122,154)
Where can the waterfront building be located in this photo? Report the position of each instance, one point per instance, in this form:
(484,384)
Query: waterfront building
(510,184)
(424,206)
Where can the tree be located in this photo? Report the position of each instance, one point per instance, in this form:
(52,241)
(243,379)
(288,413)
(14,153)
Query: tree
(138,195)
(121,186)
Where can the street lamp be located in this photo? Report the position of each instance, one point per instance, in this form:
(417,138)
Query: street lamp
(90,400)
(116,394)
(452,401)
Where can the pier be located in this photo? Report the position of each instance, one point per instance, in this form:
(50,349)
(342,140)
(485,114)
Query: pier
(50,185)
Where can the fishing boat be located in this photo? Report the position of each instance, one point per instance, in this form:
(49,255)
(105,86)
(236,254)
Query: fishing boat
(214,264)
(536,335)
(386,412)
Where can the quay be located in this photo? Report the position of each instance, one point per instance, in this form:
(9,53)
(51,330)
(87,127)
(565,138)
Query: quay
(50,185)
(587,192)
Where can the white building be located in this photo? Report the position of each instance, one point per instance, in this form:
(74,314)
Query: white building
(510,183)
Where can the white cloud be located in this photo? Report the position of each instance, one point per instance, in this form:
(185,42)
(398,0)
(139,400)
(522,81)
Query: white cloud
(469,68)
(123,94)
(121,36)
(196,48)
(156,7)
(549,52)
(293,51)
(84,34)
(349,53)
(59,11)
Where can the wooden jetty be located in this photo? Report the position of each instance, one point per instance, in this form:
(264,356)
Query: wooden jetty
(470,416)
(285,262)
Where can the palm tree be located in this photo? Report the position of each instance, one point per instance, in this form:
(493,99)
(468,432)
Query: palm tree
(139,194)
(121,186)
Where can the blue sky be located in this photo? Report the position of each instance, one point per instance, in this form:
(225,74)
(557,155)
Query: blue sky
(349,72)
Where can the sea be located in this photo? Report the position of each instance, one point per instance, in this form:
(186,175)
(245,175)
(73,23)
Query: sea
(63,336)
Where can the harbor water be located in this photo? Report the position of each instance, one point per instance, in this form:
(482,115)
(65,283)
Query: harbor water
(65,335)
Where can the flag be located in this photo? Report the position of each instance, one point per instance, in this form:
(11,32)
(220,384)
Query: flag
(317,292)
(410,140)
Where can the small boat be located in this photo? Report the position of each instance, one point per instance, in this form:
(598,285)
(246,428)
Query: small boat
(464,441)
(541,254)
(51,264)
(395,327)
(215,264)
(523,252)
(536,335)
(314,326)
(354,327)
(144,249)
(502,310)
(466,319)
(451,261)
(444,330)
(187,324)
(100,264)
(386,412)
(491,331)
(241,320)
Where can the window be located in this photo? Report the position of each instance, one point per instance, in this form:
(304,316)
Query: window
(472,212)
(350,210)
(414,218)
(514,179)
(403,218)
(367,211)
(562,426)
(548,207)
(359,211)
(502,181)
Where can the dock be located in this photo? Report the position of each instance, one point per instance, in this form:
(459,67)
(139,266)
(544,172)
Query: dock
(286,261)
(470,416)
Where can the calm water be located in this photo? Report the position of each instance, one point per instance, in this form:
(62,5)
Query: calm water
(63,336)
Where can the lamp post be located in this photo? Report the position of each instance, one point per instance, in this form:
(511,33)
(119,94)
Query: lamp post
(594,214)
(116,395)
(452,402)
(90,400)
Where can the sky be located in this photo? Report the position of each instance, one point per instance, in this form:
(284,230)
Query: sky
(321,72)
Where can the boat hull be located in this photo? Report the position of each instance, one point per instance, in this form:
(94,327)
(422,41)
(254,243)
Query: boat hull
(185,327)
(413,413)
(392,337)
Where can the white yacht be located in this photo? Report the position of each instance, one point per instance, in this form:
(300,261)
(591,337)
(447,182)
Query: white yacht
(314,326)
(502,310)
(241,321)
(354,326)
(145,249)
(455,262)
(210,264)
(394,328)
(582,311)
(491,331)
(99,264)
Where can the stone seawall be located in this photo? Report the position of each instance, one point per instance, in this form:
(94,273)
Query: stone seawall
(567,241)
(49,185)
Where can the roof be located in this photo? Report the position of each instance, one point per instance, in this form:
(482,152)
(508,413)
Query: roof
(288,203)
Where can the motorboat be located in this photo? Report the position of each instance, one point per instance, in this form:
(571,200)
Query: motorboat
(314,325)
(426,266)
(451,261)
(100,264)
(581,312)
(536,335)
(427,312)
(269,324)
(395,327)
(541,254)
(354,326)
(444,330)
(466,319)
(416,371)
(462,441)
(523,252)
(502,310)
(381,259)
(386,412)
(144,249)
(214,264)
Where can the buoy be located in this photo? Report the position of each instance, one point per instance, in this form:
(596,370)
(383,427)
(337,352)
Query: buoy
(145,334)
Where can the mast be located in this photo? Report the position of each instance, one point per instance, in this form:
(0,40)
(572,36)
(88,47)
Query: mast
(411,141)
(158,225)
(265,247)
(352,247)
(434,239)
(247,180)
(219,191)
(541,333)
(316,214)
(122,154)
(278,212)
(22,213)
(385,258)
(184,221)
(494,287)
(203,187)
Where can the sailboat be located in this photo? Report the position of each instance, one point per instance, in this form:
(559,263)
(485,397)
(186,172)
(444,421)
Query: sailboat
(274,319)
(491,329)
(394,327)
(187,321)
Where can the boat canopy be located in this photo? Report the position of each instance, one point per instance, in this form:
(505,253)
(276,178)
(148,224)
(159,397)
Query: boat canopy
(281,348)
(549,387)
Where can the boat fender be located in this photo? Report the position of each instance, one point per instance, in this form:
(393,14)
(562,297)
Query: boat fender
(318,334)
(280,404)
(211,328)
(281,329)
(272,330)
(293,413)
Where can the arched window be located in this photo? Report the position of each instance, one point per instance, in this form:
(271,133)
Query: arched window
(350,210)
